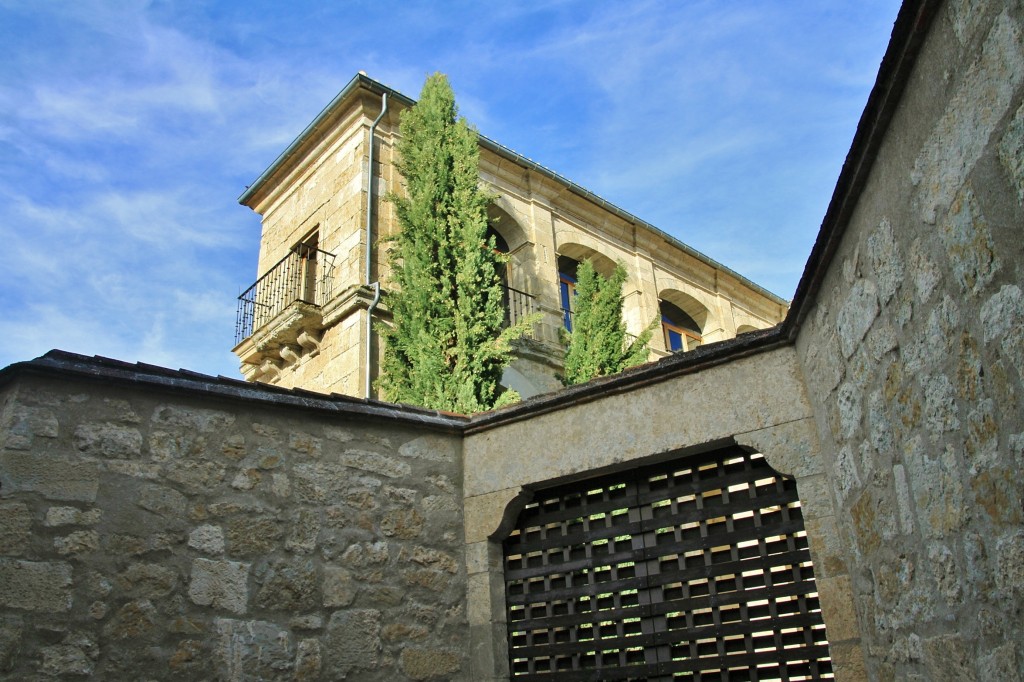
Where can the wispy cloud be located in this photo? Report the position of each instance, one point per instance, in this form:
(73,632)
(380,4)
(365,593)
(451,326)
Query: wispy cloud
(128,129)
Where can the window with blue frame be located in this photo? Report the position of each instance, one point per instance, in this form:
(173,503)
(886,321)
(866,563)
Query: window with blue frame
(682,333)
(567,288)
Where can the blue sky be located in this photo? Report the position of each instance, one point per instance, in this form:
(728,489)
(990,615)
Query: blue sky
(128,129)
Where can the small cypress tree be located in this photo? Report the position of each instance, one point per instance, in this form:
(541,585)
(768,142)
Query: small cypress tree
(597,343)
(446,349)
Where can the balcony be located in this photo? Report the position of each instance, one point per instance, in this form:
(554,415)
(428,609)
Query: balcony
(304,276)
(518,305)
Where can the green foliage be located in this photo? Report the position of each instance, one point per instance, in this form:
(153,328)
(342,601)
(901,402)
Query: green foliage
(597,344)
(446,349)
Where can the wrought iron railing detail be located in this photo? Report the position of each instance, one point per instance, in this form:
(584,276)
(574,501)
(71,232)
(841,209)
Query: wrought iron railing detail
(306,274)
(518,305)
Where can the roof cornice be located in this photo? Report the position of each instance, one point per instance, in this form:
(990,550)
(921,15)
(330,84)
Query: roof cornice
(362,81)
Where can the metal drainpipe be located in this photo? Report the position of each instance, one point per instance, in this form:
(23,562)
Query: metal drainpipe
(369,249)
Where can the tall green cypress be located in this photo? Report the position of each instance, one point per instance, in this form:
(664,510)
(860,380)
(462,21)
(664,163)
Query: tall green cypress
(597,343)
(446,348)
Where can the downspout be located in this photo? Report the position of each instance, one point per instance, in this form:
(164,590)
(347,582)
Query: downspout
(369,249)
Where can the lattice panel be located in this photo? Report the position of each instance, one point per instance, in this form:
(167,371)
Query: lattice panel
(696,569)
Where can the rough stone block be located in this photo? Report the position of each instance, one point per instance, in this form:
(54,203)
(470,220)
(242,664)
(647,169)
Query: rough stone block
(353,641)
(35,585)
(1010,563)
(374,463)
(220,584)
(1001,663)
(207,539)
(836,596)
(304,443)
(948,658)
(1003,311)
(791,448)
(25,423)
(11,632)
(404,524)
(430,664)
(983,96)
(251,536)
(941,412)
(1011,153)
(484,513)
(848,662)
(886,260)
(856,315)
(148,581)
(197,476)
(339,587)
(304,532)
(904,508)
(64,659)
(192,419)
(15,528)
(968,242)
(827,547)
(432,448)
(135,620)
(53,478)
(253,650)
(71,516)
(287,586)
(308,660)
(108,440)
(162,500)
(79,542)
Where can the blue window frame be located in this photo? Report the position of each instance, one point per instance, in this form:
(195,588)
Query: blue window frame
(567,290)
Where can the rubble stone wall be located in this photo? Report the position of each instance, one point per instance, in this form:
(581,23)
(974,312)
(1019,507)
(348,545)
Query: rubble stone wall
(914,359)
(158,536)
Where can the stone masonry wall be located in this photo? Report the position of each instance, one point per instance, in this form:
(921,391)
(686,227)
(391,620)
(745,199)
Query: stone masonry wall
(158,536)
(914,359)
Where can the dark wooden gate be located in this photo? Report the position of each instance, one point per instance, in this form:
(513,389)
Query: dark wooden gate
(694,569)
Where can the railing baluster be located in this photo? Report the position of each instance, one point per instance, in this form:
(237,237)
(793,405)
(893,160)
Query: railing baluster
(282,285)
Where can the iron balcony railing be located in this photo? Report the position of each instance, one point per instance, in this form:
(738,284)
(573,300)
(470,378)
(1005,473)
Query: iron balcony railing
(518,305)
(306,274)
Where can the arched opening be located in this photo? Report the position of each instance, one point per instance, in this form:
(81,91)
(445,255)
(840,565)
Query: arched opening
(682,333)
(686,568)
(503,224)
(685,317)
(569,259)
(508,237)
(744,328)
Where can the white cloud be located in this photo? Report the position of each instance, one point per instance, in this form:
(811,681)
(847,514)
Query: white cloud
(128,130)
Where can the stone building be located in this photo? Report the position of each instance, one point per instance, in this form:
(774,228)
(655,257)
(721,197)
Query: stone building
(849,506)
(304,322)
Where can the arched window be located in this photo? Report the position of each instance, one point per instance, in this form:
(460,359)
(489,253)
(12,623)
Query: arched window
(567,288)
(682,333)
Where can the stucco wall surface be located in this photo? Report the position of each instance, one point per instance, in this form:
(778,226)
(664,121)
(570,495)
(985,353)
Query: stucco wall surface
(160,536)
(758,402)
(696,409)
(914,357)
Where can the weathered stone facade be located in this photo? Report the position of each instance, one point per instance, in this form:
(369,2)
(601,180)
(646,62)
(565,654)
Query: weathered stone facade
(912,352)
(149,534)
(165,525)
(320,186)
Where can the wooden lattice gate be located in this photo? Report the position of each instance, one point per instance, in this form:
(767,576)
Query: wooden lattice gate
(692,569)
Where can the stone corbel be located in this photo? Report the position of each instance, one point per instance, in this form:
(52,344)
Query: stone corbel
(310,342)
(288,355)
(269,370)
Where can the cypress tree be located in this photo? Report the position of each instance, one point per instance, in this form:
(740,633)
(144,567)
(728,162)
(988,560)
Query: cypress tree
(597,343)
(446,348)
